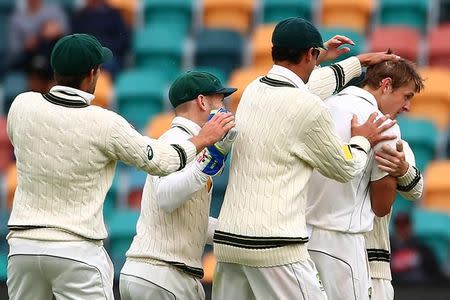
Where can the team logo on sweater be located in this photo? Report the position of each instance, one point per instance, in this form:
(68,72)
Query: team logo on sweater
(149,152)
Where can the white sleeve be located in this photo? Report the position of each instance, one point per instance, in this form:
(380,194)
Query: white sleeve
(410,185)
(325,81)
(377,173)
(175,189)
(212,225)
(150,155)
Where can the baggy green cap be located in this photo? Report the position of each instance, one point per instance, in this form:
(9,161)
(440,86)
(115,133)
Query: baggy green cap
(191,84)
(296,33)
(76,54)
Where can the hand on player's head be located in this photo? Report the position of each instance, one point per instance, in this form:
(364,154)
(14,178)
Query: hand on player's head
(373,128)
(373,58)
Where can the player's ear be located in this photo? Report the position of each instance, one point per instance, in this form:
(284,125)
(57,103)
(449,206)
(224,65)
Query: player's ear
(386,84)
(201,101)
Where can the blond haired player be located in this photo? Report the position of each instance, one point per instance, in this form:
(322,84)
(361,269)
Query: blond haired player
(340,213)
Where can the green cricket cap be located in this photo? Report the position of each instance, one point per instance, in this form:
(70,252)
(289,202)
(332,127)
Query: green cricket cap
(296,33)
(191,84)
(76,54)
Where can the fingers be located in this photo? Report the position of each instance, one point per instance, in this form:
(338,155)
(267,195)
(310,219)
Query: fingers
(388,150)
(392,158)
(399,146)
(343,50)
(354,122)
(383,138)
(372,117)
(385,162)
(381,120)
(386,169)
(343,39)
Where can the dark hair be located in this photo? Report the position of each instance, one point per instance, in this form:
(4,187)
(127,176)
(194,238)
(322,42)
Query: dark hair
(290,55)
(401,72)
(73,81)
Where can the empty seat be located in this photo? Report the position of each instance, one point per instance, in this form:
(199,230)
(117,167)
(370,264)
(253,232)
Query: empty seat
(140,95)
(437,186)
(411,13)
(128,10)
(434,101)
(347,13)
(261,45)
(14,84)
(159,48)
(433,228)
(422,136)
(159,124)
(232,14)
(121,228)
(104,91)
(439,46)
(240,79)
(176,13)
(11,184)
(359,40)
(6,149)
(219,48)
(404,41)
(277,10)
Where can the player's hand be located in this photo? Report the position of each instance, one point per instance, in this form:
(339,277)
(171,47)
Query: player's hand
(332,48)
(392,161)
(373,128)
(213,131)
(373,58)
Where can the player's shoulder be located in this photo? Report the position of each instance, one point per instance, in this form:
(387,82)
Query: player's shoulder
(175,135)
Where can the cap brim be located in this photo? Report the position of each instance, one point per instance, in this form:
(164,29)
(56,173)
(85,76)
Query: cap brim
(226,91)
(107,55)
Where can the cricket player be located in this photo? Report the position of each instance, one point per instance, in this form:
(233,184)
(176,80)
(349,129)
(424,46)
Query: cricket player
(338,214)
(284,132)
(165,258)
(399,163)
(66,153)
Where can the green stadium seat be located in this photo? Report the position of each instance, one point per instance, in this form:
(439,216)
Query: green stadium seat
(219,48)
(155,48)
(176,13)
(422,136)
(67,5)
(121,228)
(7,6)
(277,10)
(412,13)
(359,39)
(140,95)
(14,84)
(4,248)
(433,228)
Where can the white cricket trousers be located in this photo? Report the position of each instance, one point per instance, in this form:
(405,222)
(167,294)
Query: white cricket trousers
(341,260)
(69,270)
(382,289)
(144,281)
(299,281)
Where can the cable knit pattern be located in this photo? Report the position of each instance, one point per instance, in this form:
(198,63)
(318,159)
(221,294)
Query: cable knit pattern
(284,133)
(177,237)
(66,159)
(378,238)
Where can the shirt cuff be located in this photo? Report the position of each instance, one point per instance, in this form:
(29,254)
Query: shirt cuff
(361,142)
(352,68)
(190,150)
(408,178)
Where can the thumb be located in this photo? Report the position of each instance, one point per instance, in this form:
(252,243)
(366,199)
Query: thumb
(399,146)
(354,121)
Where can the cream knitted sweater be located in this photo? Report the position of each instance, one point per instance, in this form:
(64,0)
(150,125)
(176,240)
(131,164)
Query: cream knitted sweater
(284,133)
(66,154)
(377,241)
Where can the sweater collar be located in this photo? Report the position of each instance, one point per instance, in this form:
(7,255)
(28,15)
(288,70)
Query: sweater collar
(284,74)
(360,93)
(71,94)
(187,125)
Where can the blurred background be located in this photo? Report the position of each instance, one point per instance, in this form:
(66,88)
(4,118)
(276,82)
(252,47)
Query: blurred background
(154,40)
